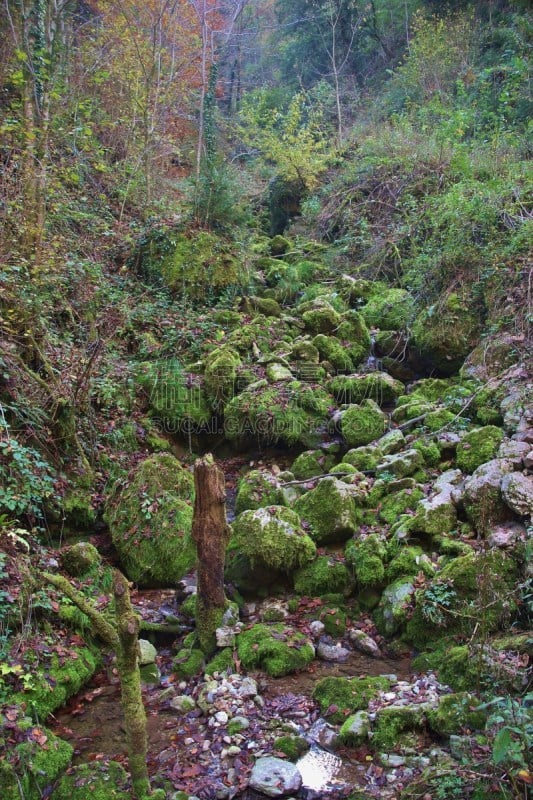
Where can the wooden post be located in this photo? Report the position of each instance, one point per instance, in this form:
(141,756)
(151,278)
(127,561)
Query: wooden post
(210,532)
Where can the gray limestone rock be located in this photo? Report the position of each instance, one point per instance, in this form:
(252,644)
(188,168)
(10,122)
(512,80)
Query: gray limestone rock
(275,777)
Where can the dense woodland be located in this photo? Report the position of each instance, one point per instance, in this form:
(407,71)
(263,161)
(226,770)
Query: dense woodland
(295,235)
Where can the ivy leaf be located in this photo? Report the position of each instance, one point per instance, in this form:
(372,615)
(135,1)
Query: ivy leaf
(501,745)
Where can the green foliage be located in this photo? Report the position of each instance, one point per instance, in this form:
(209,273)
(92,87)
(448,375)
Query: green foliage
(27,479)
(511,726)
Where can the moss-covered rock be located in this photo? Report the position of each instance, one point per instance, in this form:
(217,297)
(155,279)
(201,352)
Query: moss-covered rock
(363,458)
(334,352)
(34,758)
(334,620)
(291,411)
(401,464)
(354,333)
(200,261)
(292,746)
(366,557)
(258,489)
(444,334)
(176,398)
(277,649)
(471,592)
(378,386)
(393,505)
(150,517)
(438,420)
(455,713)
(393,723)
(323,576)
(393,610)
(331,511)
(482,500)
(311,463)
(78,509)
(389,310)
(478,446)
(188,663)
(80,558)
(363,423)
(408,562)
(319,316)
(98,780)
(354,731)
(272,537)
(339,697)
(220,375)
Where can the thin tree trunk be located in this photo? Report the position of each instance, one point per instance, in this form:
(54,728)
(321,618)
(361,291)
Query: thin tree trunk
(211,533)
(130,683)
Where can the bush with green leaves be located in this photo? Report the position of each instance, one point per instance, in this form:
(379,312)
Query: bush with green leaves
(27,480)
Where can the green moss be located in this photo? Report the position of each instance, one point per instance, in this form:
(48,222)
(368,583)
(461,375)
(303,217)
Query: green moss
(334,621)
(189,662)
(332,351)
(220,374)
(390,310)
(99,781)
(394,505)
(354,332)
(292,746)
(279,245)
(478,446)
(188,607)
(393,611)
(323,576)
(430,452)
(256,490)
(486,405)
(338,697)
(457,667)
(311,463)
(289,411)
(51,688)
(273,537)
(330,510)
(394,721)
(78,509)
(436,420)
(363,423)
(364,458)
(31,764)
(354,731)
(378,386)
(176,398)
(408,563)
(455,713)
(319,316)
(200,262)
(366,557)
(80,558)
(275,648)
(150,518)
(445,333)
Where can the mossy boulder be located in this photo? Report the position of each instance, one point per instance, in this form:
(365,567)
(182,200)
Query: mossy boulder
(292,412)
(401,464)
(393,723)
(220,375)
(471,592)
(364,458)
(408,562)
(324,575)
(78,509)
(393,610)
(456,713)
(362,424)
(378,386)
(389,310)
(477,447)
(257,489)
(272,537)
(482,500)
(319,316)
(339,697)
(292,746)
(393,505)
(98,781)
(353,332)
(34,759)
(262,305)
(331,511)
(334,352)
(150,517)
(277,649)
(80,558)
(354,731)
(176,398)
(305,350)
(366,558)
(188,663)
(311,463)
(445,333)
(198,262)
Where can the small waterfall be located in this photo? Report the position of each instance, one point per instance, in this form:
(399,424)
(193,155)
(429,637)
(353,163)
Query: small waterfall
(373,363)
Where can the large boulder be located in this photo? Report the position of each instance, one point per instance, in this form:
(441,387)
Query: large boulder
(379,386)
(390,310)
(362,424)
(478,446)
(258,489)
(482,497)
(331,510)
(150,517)
(445,333)
(517,493)
(272,537)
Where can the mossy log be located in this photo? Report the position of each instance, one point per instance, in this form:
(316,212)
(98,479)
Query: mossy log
(210,532)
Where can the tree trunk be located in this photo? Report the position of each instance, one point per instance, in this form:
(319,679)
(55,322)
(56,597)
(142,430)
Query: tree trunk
(130,683)
(211,533)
